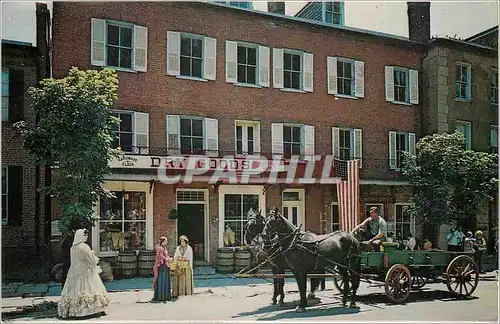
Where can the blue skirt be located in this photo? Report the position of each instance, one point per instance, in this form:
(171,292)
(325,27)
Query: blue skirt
(162,285)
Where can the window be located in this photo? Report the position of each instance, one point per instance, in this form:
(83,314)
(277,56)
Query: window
(463,81)
(124,132)
(292,140)
(465,128)
(345,144)
(494,88)
(401,88)
(122,224)
(5,195)
(247,64)
(191,56)
(292,70)
(494,139)
(5,94)
(241,4)
(335,217)
(191,135)
(345,77)
(247,138)
(333,13)
(236,207)
(119,46)
(404,222)
(401,147)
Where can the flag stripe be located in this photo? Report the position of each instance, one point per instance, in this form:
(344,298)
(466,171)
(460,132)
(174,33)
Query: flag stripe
(348,197)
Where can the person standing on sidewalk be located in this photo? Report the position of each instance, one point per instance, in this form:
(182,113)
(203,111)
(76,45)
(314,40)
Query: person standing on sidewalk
(479,247)
(161,271)
(183,283)
(66,245)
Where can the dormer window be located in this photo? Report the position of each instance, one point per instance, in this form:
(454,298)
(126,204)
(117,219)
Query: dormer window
(328,12)
(333,13)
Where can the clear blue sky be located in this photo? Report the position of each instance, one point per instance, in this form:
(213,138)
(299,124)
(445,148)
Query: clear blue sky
(461,18)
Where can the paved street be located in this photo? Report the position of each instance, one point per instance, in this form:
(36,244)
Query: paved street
(252,302)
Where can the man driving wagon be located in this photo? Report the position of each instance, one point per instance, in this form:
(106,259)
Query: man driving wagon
(377,230)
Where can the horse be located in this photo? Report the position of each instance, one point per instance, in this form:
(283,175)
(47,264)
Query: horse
(306,252)
(253,228)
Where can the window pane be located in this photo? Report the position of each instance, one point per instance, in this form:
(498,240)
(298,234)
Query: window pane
(198,144)
(250,201)
(126,142)
(197,47)
(242,55)
(296,63)
(135,205)
(111,208)
(112,56)
(347,87)
(126,58)
(287,62)
(329,17)
(250,133)
(5,83)
(287,149)
(110,236)
(197,125)
(4,180)
(239,132)
(287,79)
(347,70)
(185,46)
(113,35)
(126,37)
(250,147)
(296,134)
(336,19)
(4,207)
(239,147)
(340,69)
(126,123)
(196,72)
(185,66)
(251,74)
(295,149)
(232,207)
(134,237)
(295,80)
(252,56)
(329,6)
(186,126)
(242,74)
(186,145)
(287,134)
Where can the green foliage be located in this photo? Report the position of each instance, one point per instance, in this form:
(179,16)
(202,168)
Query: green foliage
(450,183)
(74,132)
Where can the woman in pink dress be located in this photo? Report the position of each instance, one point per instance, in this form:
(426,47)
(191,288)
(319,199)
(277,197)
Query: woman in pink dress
(161,271)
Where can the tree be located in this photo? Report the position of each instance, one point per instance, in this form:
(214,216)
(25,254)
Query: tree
(74,133)
(450,182)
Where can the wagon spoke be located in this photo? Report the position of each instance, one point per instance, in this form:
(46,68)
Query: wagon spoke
(466,290)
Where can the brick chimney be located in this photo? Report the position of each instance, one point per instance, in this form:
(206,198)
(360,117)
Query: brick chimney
(277,7)
(419,21)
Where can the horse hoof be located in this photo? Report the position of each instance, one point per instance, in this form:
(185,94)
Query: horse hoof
(282,303)
(353,305)
(299,309)
(273,302)
(311,296)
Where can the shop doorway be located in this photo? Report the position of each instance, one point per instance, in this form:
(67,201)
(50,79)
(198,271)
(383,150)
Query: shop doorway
(292,201)
(191,221)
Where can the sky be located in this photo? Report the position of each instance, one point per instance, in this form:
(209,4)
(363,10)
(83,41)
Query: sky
(448,18)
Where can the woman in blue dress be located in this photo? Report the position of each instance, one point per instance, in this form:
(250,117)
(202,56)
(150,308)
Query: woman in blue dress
(161,271)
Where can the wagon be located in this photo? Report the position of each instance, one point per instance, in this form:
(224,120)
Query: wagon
(401,271)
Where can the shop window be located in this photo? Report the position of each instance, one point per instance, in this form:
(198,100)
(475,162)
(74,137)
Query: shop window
(236,207)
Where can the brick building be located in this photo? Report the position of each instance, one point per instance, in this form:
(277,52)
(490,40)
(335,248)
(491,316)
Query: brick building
(207,78)
(24,218)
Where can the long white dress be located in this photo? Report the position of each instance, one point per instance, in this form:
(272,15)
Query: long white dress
(83,294)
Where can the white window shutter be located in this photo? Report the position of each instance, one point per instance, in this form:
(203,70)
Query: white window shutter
(359,79)
(309,143)
(173,124)
(278,68)
(277,139)
(98,42)
(389,83)
(141,133)
(256,138)
(140,48)
(336,142)
(411,143)
(358,146)
(308,75)
(264,66)
(209,58)
(331,69)
(173,53)
(212,137)
(231,62)
(392,150)
(413,87)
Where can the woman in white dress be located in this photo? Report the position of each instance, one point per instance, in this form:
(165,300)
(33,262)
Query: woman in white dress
(83,294)
(183,281)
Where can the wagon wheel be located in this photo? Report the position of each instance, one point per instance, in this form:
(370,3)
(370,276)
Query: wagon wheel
(338,282)
(418,282)
(462,276)
(398,283)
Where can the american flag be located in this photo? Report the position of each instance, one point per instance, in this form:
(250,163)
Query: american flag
(348,193)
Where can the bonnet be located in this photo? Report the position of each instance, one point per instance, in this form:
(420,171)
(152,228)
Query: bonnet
(81,235)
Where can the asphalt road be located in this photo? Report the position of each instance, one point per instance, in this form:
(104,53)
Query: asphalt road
(252,302)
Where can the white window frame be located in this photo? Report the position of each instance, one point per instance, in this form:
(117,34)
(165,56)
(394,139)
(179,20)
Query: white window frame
(206,220)
(5,192)
(407,148)
(118,132)
(135,149)
(257,63)
(334,205)
(198,37)
(302,139)
(468,84)
(407,87)
(121,25)
(468,135)
(494,138)
(352,77)
(396,223)
(494,87)
(125,186)
(239,190)
(203,139)
(351,142)
(301,72)
(244,124)
(340,13)
(300,204)
(5,98)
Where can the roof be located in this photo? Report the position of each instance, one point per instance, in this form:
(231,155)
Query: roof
(464,45)
(482,34)
(313,23)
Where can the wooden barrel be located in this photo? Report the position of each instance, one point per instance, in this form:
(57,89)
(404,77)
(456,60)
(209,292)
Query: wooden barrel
(242,259)
(127,263)
(225,260)
(146,263)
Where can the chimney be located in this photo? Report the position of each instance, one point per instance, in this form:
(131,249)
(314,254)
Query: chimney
(419,21)
(277,7)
